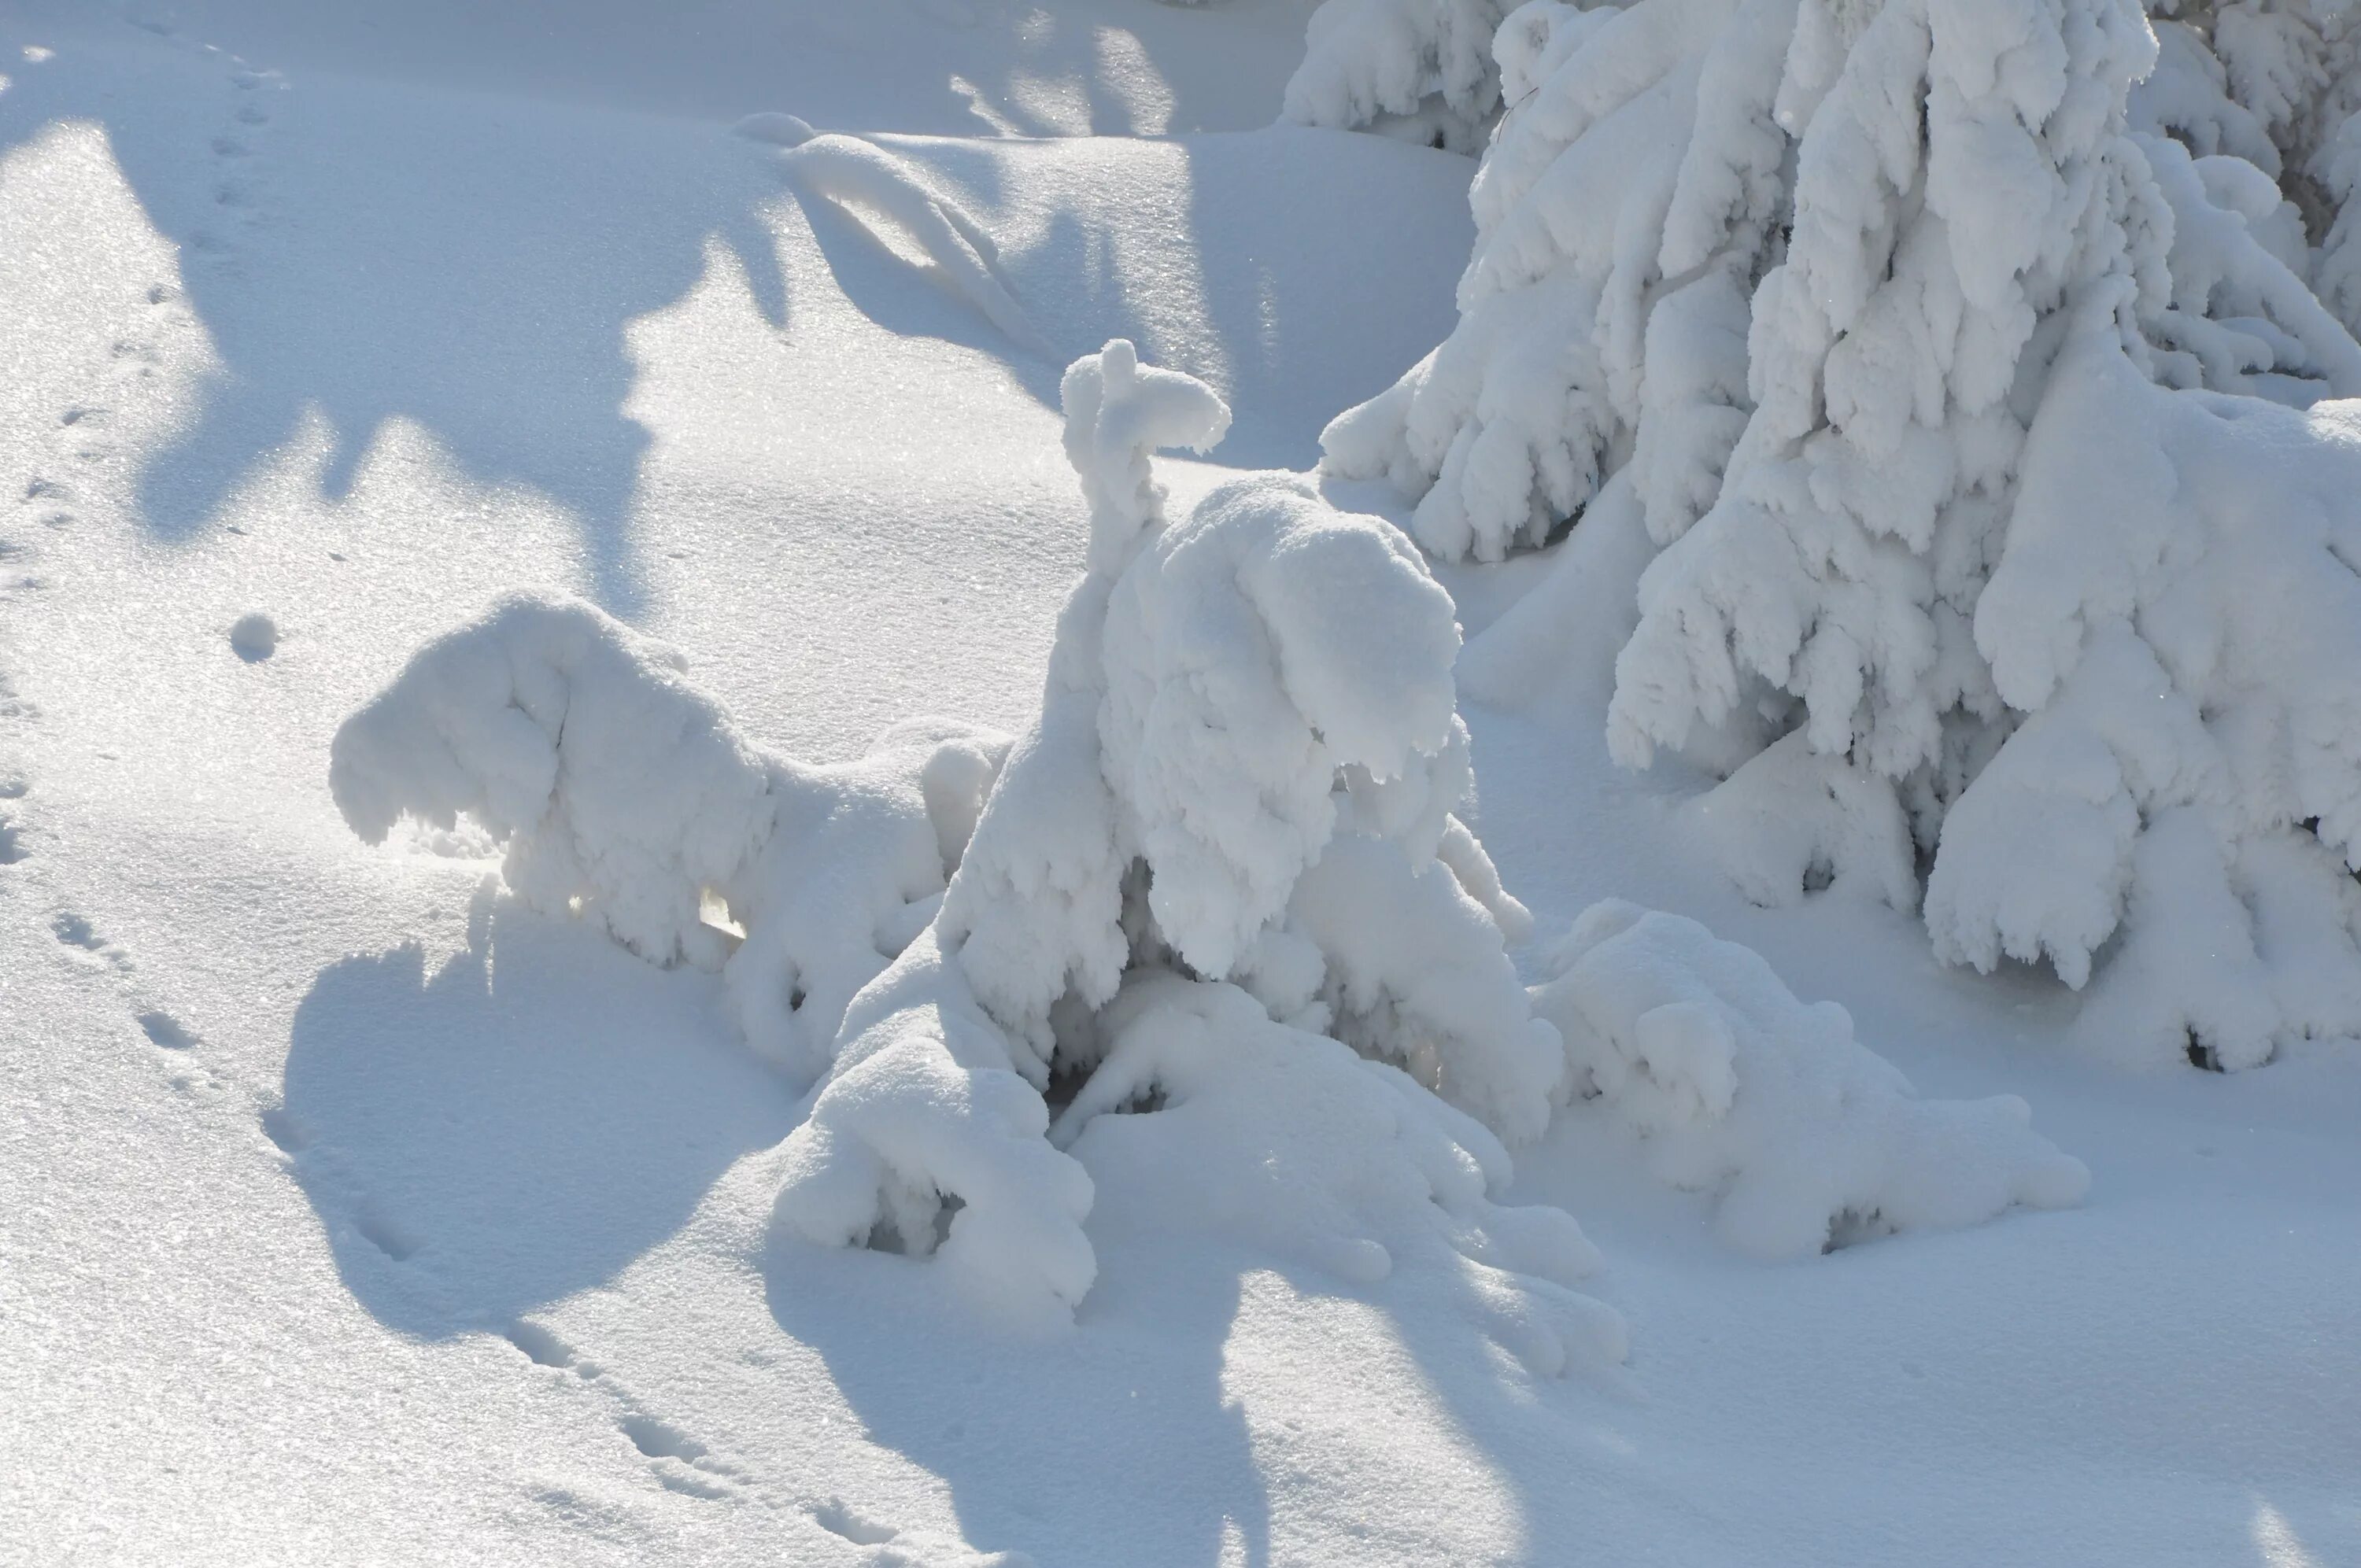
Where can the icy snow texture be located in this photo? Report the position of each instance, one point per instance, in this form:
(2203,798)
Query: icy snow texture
(624,794)
(1245,770)
(1806,1138)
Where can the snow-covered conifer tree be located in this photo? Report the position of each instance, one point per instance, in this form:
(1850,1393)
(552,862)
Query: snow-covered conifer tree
(1237,806)
(1789,279)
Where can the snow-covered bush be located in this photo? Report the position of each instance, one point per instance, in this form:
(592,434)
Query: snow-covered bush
(1794,278)
(1806,1138)
(1421,70)
(1215,901)
(624,795)
(1237,805)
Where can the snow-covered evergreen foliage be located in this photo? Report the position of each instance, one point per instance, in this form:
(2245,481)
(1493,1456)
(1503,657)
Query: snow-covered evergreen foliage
(624,795)
(1239,794)
(1806,1138)
(1797,278)
(1220,880)
(1421,70)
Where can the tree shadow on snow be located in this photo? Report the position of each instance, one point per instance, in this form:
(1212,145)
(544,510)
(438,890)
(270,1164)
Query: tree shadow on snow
(367,251)
(514,1127)
(1114,1443)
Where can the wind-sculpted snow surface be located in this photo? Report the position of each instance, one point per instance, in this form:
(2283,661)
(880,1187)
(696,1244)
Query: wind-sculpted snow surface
(1244,775)
(1806,1138)
(624,794)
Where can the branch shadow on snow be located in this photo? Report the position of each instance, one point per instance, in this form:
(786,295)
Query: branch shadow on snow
(1255,267)
(513,1126)
(416,254)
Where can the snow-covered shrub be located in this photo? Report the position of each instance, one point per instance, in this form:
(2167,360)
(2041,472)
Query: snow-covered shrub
(623,794)
(1421,70)
(1297,1145)
(1237,802)
(1804,1136)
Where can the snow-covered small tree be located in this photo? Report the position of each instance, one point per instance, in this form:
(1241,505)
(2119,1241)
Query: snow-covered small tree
(1220,880)
(1237,801)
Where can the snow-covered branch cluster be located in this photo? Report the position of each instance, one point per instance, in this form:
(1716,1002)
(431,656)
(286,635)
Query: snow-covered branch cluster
(1215,904)
(1904,326)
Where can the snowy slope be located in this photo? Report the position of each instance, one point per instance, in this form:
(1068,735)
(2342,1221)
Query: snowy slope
(349,1211)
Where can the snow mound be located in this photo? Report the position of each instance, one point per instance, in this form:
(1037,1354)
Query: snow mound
(1245,770)
(624,795)
(1807,1138)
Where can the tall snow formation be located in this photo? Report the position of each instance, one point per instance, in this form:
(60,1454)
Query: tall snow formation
(624,795)
(1236,809)
(1816,285)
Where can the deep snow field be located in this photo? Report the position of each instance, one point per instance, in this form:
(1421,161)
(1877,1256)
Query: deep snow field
(352,1211)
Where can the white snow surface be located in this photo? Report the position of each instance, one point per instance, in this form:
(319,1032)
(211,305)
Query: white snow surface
(356,1205)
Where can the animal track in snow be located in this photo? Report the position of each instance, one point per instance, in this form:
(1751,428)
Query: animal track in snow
(166,1031)
(77,933)
(680,1462)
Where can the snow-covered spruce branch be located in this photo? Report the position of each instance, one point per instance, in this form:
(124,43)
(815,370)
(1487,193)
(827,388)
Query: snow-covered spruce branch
(623,794)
